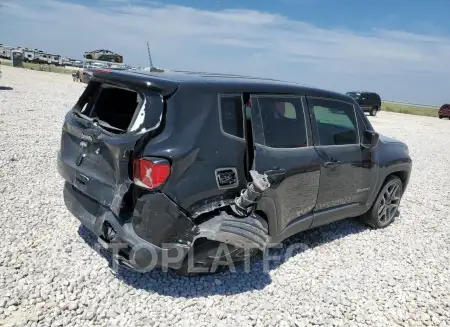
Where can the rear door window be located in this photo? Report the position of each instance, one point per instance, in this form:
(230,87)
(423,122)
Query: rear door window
(283,121)
(231,115)
(335,121)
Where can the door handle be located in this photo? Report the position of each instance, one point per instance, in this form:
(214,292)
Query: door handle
(330,164)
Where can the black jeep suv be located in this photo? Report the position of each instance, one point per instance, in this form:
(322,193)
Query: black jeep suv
(368,101)
(168,166)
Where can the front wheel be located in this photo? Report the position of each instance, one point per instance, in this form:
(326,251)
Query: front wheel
(385,208)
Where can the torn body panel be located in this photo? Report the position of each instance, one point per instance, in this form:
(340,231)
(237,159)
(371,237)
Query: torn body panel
(99,167)
(243,228)
(250,232)
(158,220)
(127,246)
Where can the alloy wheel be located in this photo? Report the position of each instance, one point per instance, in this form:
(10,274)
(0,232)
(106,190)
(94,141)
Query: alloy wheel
(389,203)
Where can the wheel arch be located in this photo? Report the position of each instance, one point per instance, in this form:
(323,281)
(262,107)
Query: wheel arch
(400,173)
(403,175)
(401,170)
(267,210)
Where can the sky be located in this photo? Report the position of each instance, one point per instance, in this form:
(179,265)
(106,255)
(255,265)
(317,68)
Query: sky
(400,49)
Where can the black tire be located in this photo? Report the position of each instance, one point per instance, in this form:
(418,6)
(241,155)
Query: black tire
(385,207)
(440,117)
(373,111)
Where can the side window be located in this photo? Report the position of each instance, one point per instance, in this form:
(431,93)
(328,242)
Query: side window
(231,115)
(335,120)
(283,122)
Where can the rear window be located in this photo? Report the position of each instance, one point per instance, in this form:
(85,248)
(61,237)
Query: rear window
(114,108)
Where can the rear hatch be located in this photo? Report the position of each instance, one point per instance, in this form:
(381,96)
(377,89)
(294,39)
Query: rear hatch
(100,135)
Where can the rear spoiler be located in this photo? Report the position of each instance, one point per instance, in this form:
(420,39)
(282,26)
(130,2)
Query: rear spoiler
(124,77)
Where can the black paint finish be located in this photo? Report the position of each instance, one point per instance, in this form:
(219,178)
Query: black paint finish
(315,184)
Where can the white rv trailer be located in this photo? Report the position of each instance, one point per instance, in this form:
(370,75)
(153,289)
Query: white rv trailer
(5,51)
(47,58)
(28,54)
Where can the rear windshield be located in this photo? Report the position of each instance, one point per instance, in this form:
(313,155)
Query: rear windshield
(354,95)
(116,108)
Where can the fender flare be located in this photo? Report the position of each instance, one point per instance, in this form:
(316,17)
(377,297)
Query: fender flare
(384,173)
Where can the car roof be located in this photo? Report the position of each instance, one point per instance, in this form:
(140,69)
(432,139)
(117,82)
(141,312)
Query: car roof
(228,82)
(366,92)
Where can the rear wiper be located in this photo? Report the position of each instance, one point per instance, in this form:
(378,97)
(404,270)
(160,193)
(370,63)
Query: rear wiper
(105,124)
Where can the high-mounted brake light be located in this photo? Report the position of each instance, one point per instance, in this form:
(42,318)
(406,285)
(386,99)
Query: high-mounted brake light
(150,174)
(100,70)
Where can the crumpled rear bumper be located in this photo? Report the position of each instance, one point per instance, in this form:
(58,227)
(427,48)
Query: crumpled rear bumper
(158,243)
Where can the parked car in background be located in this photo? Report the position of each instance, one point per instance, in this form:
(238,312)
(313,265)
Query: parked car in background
(254,170)
(368,101)
(444,111)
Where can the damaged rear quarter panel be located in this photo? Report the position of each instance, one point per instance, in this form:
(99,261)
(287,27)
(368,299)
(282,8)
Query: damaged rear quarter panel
(191,122)
(158,220)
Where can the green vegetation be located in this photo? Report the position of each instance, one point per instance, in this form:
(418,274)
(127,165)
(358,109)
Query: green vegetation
(408,109)
(325,116)
(47,68)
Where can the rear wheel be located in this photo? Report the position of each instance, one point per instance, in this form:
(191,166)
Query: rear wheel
(373,111)
(385,208)
(440,117)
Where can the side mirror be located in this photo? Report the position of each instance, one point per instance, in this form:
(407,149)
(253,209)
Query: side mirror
(370,139)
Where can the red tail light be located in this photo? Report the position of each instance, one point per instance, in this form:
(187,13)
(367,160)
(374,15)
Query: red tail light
(150,173)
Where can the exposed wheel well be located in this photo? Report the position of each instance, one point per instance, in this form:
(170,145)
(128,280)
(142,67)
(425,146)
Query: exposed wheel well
(403,175)
(263,215)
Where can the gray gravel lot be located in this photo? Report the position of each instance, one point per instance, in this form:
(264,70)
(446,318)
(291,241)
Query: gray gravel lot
(50,275)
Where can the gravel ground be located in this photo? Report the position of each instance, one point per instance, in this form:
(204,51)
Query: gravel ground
(50,274)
